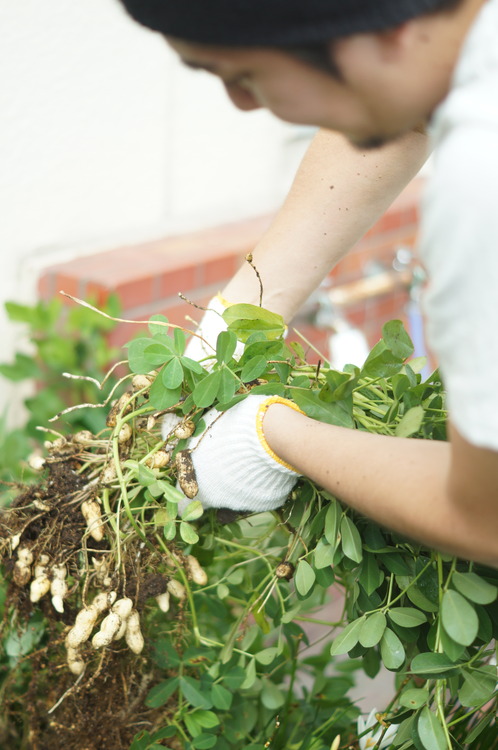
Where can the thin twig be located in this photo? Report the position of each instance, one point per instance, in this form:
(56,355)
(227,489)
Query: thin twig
(250,261)
(126,320)
(308,343)
(194,304)
(68,691)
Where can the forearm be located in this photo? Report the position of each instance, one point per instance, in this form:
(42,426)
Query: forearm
(338,193)
(403,484)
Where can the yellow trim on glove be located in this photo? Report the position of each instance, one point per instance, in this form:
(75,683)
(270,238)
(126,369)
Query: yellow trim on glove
(260,415)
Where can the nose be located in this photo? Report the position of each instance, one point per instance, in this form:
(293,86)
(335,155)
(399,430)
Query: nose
(241,97)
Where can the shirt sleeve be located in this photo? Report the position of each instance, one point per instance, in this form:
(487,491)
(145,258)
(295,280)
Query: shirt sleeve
(459,246)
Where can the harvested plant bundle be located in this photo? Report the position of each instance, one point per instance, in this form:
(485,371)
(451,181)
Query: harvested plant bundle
(190,630)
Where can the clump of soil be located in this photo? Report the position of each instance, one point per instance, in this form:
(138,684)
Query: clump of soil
(45,706)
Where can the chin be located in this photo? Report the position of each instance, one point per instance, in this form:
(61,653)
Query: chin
(372,142)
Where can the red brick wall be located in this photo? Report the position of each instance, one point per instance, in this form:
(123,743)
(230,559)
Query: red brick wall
(148,277)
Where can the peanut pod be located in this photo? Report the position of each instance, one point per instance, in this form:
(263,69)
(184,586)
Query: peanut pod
(39,587)
(176,589)
(134,638)
(197,573)
(163,601)
(75,661)
(82,628)
(91,513)
(186,474)
(108,629)
(123,608)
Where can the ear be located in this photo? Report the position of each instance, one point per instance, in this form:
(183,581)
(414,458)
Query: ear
(393,44)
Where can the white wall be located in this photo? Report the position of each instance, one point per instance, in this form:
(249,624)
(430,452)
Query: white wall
(105,138)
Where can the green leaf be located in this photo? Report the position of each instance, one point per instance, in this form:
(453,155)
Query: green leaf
(23,638)
(250,677)
(193,694)
(304,577)
(453,650)
(221,697)
(171,494)
(180,340)
(407,617)
(391,650)
(411,422)
(193,511)
(160,694)
(253,368)
(136,359)
(351,540)
(414,698)
(172,374)
(332,521)
(267,655)
(24,367)
(381,362)
(161,397)
(204,741)
(474,587)
(207,719)
(432,666)
(478,686)
(459,618)
(397,339)
(141,741)
(271,696)
(337,413)
(146,476)
(417,597)
(188,533)
(205,391)
(169,530)
(192,365)
(234,678)
(323,555)
(228,386)
(371,576)
(226,343)
(373,629)
(244,320)
(156,353)
(479,729)
(430,731)
(349,637)
(158,324)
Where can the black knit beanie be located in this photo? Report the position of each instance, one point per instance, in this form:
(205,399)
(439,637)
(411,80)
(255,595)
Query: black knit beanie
(272,23)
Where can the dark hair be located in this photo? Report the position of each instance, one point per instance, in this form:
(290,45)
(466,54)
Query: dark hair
(320,55)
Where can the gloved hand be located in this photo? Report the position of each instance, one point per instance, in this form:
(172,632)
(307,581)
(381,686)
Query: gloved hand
(234,465)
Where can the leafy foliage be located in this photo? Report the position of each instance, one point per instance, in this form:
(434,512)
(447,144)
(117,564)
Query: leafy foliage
(237,668)
(60,341)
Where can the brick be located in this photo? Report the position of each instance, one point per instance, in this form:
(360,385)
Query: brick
(70,284)
(179,280)
(46,287)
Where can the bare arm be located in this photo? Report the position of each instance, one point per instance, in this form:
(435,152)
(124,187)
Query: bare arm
(338,193)
(442,494)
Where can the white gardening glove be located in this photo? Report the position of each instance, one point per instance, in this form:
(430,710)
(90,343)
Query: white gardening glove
(234,465)
(211,325)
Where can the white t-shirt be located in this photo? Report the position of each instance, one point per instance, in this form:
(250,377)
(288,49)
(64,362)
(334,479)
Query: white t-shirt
(459,236)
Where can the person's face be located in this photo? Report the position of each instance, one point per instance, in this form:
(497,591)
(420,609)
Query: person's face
(381,93)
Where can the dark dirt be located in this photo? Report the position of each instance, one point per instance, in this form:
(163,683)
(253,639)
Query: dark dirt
(105,708)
